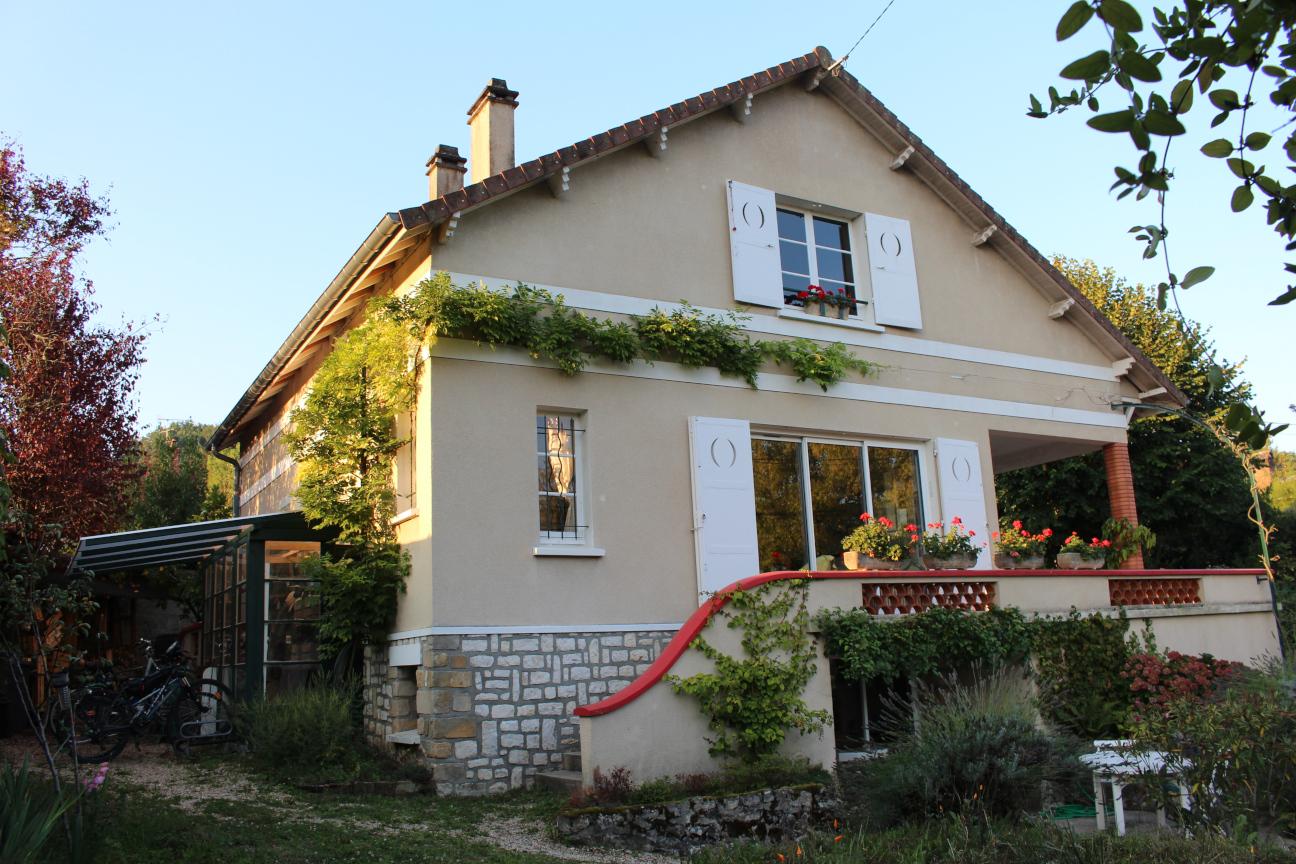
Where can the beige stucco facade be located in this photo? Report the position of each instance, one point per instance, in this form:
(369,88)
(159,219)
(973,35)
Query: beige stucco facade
(998,364)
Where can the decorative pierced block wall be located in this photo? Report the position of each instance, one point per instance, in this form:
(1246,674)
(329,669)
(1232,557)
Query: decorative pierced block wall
(901,598)
(1154,592)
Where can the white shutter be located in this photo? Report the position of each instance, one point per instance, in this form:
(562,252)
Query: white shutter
(958,468)
(724,501)
(891,266)
(753,243)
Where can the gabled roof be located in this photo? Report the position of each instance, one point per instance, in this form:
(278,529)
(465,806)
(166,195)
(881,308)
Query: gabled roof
(814,70)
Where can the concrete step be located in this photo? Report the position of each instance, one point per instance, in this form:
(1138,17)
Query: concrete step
(571,761)
(559,781)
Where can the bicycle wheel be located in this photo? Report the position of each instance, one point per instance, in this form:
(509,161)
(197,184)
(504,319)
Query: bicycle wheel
(97,729)
(203,715)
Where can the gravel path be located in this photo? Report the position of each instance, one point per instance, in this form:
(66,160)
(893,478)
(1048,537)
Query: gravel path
(154,768)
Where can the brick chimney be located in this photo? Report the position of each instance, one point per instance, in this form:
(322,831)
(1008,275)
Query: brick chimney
(445,171)
(491,120)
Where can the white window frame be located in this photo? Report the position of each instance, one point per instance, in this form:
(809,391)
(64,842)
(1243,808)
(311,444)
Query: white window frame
(554,542)
(926,465)
(863,305)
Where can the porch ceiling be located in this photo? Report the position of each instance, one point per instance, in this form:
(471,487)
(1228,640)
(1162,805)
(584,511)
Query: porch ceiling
(171,544)
(1011,450)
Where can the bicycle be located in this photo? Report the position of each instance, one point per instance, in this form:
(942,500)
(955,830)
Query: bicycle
(97,720)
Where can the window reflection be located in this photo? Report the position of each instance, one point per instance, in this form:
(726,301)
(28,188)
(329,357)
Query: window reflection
(894,476)
(836,490)
(780,504)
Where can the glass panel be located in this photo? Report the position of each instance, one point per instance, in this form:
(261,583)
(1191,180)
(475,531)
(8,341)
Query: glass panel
(242,563)
(559,434)
(795,257)
(284,556)
(240,604)
(293,600)
(240,644)
(279,679)
(557,513)
(792,286)
(558,474)
(833,265)
(780,504)
(292,640)
(227,618)
(893,476)
(791,225)
(829,232)
(836,491)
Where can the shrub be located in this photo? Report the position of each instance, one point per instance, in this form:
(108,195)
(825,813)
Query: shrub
(768,772)
(1236,751)
(1156,681)
(1078,662)
(29,814)
(304,729)
(977,749)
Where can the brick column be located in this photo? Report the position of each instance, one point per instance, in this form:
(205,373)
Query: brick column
(1120,487)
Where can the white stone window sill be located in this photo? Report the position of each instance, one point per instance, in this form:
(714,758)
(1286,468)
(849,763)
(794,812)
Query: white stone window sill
(849,323)
(568,552)
(404,516)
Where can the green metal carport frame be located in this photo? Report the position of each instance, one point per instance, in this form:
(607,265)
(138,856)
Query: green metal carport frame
(193,544)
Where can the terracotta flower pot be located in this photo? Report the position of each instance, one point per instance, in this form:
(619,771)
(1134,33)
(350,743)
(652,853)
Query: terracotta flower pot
(959,562)
(859,561)
(1076,561)
(1007,562)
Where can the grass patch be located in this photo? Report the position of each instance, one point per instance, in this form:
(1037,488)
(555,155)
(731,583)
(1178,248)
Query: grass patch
(953,840)
(135,827)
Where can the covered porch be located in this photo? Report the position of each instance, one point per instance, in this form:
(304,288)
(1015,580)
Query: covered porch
(259,613)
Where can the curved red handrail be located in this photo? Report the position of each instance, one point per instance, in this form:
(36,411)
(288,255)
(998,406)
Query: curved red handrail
(698,620)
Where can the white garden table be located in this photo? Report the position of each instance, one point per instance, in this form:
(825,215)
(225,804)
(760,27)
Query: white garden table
(1117,763)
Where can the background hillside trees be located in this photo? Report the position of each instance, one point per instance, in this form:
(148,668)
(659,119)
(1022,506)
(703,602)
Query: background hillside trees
(1191,491)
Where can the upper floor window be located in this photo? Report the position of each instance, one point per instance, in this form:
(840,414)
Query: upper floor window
(559,440)
(814,250)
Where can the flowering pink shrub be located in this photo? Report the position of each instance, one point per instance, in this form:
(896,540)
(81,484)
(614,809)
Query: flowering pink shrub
(1157,681)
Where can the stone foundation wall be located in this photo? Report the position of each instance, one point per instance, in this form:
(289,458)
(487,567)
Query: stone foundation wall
(493,710)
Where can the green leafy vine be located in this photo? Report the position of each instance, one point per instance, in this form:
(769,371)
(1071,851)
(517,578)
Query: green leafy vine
(753,701)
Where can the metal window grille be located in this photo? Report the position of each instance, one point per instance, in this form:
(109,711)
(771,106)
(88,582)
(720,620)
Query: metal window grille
(559,476)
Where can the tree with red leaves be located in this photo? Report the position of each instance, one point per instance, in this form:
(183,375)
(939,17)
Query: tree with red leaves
(66,407)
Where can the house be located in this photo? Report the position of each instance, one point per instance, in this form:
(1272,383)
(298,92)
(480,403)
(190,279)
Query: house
(563,529)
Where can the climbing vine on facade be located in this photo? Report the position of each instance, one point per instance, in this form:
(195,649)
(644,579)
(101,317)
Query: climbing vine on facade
(753,701)
(344,440)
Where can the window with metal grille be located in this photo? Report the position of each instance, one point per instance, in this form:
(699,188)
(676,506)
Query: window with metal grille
(561,483)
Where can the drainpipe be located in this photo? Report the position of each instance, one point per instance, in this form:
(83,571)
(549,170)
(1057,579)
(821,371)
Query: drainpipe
(238,472)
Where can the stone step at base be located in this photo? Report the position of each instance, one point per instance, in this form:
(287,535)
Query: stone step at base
(559,781)
(571,761)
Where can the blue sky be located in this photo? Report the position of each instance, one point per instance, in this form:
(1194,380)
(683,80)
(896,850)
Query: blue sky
(249,148)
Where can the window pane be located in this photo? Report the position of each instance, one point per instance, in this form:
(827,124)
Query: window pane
(791,226)
(780,507)
(558,513)
(242,563)
(834,266)
(836,490)
(557,473)
(557,434)
(893,474)
(792,286)
(795,257)
(281,679)
(829,232)
(296,600)
(292,640)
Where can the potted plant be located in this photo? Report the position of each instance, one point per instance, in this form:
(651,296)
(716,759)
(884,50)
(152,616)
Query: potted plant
(877,544)
(946,550)
(843,301)
(1018,549)
(1076,554)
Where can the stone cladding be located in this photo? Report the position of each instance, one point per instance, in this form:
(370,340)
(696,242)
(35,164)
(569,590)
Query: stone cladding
(493,710)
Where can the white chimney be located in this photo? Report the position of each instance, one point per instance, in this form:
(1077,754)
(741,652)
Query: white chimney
(491,120)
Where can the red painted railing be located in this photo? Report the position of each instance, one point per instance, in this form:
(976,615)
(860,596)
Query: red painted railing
(698,620)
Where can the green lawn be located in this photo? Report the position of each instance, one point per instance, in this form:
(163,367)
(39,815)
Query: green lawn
(280,825)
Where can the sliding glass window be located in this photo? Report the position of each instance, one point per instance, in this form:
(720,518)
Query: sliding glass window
(810,494)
